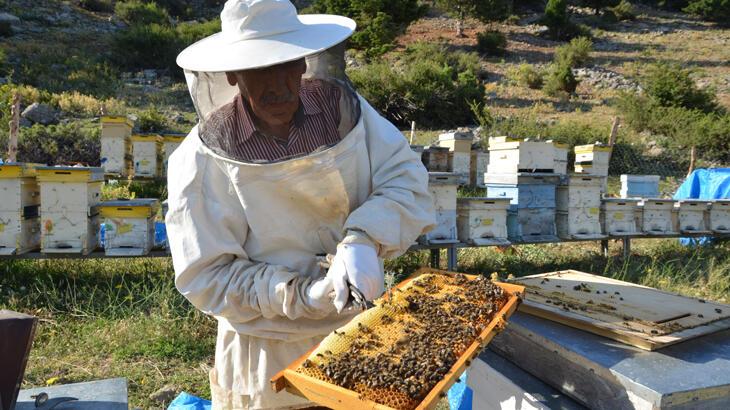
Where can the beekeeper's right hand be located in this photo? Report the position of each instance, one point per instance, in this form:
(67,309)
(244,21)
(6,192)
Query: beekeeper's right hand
(319,295)
(355,264)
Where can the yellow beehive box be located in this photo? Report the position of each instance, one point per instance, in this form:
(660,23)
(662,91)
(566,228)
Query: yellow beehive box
(170,144)
(147,155)
(19,201)
(129,226)
(592,159)
(116,145)
(70,189)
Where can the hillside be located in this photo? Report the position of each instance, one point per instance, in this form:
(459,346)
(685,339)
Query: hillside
(67,54)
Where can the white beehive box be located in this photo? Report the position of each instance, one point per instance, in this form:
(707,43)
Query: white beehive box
(19,200)
(482,221)
(531,225)
(639,186)
(147,155)
(509,156)
(129,226)
(658,217)
(69,217)
(443,186)
(116,145)
(581,191)
(579,223)
(694,216)
(169,145)
(479,163)
(560,157)
(592,159)
(69,189)
(620,216)
(436,159)
(720,216)
(460,164)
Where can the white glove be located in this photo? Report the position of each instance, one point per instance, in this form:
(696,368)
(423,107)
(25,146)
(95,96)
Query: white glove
(357,264)
(319,295)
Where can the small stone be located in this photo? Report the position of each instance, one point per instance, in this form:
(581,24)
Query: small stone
(164,395)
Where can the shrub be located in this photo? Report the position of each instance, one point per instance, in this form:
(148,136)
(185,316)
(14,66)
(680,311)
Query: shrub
(622,11)
(86,105)
(712,10)
(576,53)
(556,18)
(428,84)
(139,12)
(491,42)
(670,85)
(378,21)
(560,80)
(150,46)
(157,46)
(59,144)
(678,128)
(526,75)
(152,120)
(101,6)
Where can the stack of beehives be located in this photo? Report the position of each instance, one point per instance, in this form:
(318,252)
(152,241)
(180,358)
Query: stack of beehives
(116,146)
(579,194)
(524,171)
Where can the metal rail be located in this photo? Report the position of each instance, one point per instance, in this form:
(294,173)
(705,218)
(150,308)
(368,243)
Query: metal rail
(435,249)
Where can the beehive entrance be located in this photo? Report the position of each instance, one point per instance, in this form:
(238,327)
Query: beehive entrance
(397,352)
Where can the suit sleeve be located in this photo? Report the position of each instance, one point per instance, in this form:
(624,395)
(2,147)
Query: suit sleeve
(399,208)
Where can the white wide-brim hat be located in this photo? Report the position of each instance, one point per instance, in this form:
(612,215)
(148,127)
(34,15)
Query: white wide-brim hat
(262,33)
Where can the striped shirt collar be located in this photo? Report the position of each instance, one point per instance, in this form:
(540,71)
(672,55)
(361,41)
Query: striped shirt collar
(307,106)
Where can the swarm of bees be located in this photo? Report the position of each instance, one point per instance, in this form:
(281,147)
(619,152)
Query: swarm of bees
(394,354)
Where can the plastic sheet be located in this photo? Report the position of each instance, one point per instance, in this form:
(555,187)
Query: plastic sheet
(185,401)
(704,184)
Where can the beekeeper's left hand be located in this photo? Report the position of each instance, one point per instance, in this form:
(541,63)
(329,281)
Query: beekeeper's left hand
(357,264)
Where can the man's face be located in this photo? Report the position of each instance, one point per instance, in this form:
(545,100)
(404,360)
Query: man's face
(272,92)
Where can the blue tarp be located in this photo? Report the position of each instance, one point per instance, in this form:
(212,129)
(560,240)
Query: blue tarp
(460,395)
(185,401)
(704,184)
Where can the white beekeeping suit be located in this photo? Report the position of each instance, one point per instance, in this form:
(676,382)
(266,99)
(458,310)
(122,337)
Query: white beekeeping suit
(245,235)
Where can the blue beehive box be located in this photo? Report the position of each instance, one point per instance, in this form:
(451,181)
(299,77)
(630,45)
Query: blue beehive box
(639,186)
(531,217)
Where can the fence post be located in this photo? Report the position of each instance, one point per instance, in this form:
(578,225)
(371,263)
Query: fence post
(14,125)
(692,159)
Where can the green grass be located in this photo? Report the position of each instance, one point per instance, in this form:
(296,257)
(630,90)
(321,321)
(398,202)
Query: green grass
(124,318)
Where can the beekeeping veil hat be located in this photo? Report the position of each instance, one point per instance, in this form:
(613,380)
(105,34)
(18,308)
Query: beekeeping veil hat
(256,34)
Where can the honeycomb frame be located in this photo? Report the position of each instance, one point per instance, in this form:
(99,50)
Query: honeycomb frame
(323,391)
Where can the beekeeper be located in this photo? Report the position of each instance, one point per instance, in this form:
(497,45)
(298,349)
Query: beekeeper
(286,164)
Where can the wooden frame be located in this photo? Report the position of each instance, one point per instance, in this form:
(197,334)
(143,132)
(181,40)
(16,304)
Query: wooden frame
(337,397)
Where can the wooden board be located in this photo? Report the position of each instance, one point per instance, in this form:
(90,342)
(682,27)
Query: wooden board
(337,397)
(637,315)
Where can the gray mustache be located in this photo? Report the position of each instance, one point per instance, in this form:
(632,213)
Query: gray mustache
(277,99)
